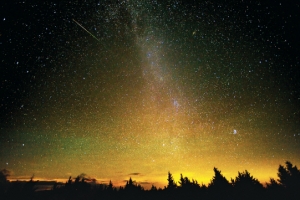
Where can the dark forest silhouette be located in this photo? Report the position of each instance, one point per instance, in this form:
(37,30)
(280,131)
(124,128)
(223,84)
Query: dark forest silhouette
(244,186)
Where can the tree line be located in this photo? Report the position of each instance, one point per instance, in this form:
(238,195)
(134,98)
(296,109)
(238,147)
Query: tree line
(244,186)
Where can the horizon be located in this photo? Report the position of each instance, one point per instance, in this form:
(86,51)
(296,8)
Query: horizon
(123,88)
(145,185)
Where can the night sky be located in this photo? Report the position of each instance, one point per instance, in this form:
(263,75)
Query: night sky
(118,89)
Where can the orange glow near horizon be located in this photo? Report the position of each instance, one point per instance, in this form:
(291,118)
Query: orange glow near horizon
(160,180)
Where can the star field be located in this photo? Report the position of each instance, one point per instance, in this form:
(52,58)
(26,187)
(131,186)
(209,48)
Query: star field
(118,88)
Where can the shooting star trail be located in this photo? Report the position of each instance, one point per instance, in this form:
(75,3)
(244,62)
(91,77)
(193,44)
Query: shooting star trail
(86,30)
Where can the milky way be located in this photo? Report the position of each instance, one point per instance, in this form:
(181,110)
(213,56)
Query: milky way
(115,89)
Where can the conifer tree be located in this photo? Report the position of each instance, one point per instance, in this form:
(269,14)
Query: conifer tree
(171,183)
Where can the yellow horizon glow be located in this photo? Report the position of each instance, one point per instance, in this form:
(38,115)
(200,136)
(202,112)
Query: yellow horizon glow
(263,175)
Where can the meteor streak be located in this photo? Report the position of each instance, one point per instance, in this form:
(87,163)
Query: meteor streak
(86,30)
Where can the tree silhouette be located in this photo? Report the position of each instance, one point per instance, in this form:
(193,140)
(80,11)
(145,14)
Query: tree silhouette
(244,186)
(77,189)
(247,187)
(4,173)
(153,188)
(219,187)
(107,191)
(30,186)
(110,186)
(274,185)
(4,183)
(186,183)
(188,189)
(129,184)
(274,190)
(289,178)
(69,182)
(218,181)
(171,183)
(132,190)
